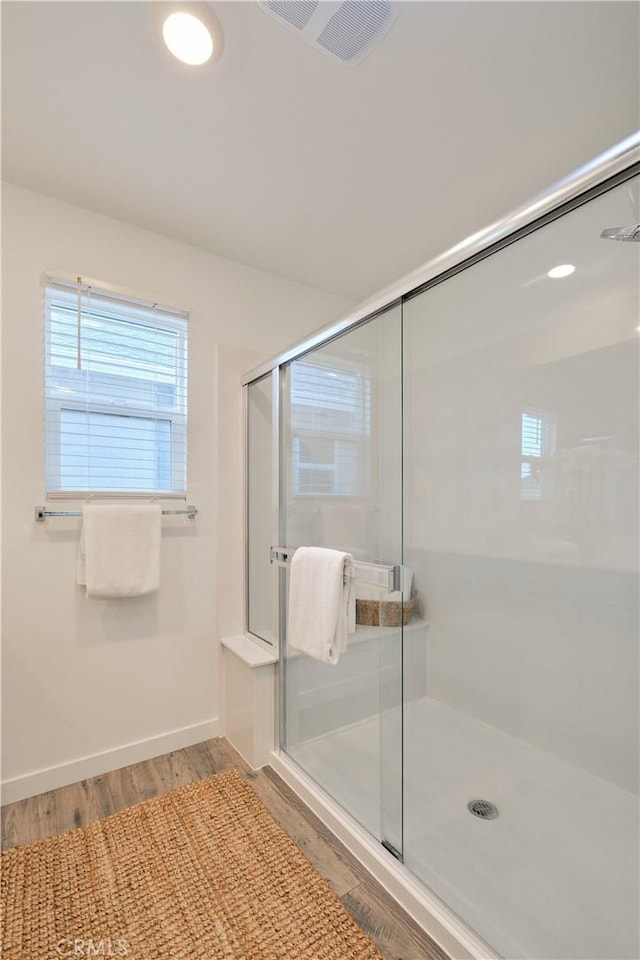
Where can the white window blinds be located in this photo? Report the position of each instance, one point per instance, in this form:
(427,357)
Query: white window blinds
(538,446)
(331,427)
(115,394)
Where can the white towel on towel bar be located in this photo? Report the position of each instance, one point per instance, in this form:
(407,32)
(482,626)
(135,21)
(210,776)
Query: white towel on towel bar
(321,603)
(119,550)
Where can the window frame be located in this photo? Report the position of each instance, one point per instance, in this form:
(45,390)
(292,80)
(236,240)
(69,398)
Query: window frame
(175,321)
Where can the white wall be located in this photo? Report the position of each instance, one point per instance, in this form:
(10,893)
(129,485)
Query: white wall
(84,678)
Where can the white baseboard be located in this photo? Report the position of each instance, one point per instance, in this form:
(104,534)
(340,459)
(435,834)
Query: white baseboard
(62,774)
(429,912)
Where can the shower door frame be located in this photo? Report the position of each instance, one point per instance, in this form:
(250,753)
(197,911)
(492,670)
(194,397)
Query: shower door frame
(611,168)
(619,163)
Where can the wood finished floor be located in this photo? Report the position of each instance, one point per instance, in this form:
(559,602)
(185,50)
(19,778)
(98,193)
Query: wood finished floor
(394,932)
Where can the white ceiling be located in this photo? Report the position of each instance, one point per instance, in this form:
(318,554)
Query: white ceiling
(343,178)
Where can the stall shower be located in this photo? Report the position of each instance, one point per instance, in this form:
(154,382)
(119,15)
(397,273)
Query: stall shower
(478,432)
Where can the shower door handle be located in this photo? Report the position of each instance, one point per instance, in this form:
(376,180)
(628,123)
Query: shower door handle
(386,576)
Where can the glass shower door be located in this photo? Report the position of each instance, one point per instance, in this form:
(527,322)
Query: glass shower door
(521,524)
(261,590)
(341,488)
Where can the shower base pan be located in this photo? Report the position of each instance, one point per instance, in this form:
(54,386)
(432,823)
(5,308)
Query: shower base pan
(553,875)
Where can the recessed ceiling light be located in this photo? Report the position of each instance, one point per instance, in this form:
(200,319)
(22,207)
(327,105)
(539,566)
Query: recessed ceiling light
(563,270)
(188,39)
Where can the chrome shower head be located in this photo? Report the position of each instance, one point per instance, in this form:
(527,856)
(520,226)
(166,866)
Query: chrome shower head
(622,233)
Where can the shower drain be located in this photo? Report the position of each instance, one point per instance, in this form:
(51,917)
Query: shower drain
(483,809)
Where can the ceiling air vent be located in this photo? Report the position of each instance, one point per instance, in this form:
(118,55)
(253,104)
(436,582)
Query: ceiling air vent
(345,31)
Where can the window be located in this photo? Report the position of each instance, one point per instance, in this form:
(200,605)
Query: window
(115,394)
(331,427)
(538,445)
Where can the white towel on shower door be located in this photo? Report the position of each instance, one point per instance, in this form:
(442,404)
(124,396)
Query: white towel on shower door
(321,603)
(119,550)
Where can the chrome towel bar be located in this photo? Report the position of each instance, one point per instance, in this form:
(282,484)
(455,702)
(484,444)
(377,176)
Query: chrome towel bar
(41,513)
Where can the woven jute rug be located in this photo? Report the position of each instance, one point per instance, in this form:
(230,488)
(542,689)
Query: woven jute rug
(203,872)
